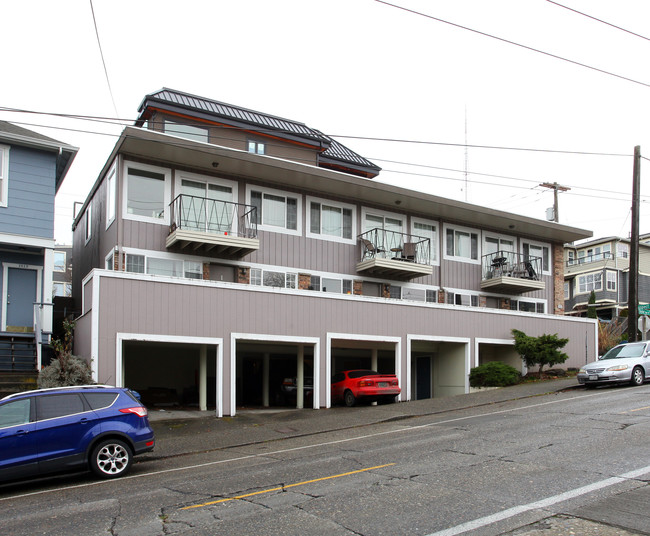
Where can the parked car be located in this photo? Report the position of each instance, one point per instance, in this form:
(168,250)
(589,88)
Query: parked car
(625,363)
(351,386)
(289,389)
(92,427)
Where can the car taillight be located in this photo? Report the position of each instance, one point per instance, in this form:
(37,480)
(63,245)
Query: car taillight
(140,411)
(366,383)
(287,381)
(393,382)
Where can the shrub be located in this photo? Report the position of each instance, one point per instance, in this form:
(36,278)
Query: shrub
(493,374)
(542,350)
(66,369)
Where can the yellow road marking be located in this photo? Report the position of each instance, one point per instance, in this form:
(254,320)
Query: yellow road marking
(287,486)
(638,409)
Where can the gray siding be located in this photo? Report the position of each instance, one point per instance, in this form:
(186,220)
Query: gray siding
(150,306)
(30,203)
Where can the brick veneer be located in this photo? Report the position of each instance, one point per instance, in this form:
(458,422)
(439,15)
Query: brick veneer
(558,279)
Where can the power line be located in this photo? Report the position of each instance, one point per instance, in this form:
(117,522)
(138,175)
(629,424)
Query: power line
(101,53)
(526,47)
(599,20)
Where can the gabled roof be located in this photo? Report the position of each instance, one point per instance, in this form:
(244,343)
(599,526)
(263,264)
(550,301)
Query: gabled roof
(10,133)
(332,154)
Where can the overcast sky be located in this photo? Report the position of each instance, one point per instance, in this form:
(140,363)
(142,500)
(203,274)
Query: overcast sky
(370,72)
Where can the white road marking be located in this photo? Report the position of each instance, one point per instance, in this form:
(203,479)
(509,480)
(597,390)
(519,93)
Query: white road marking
(543,503)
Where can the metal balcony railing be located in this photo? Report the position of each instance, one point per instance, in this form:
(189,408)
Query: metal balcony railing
(191,213)
(383,244)
(596,257)
(511,264)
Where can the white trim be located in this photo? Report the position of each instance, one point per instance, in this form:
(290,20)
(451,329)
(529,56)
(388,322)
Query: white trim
(120,337)
(21,240)
(463,229)
(5,281)
(334,204)
(88,222)
(112,173)
(279,193)
(4,175)
(94,336)
(312,341)
(166,172)
(436,338)
(435,260)
(505,342)
(359,337)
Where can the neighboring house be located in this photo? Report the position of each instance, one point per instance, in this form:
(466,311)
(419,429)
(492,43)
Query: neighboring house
(32,168)
(603,266)
(64,306)
(222,250)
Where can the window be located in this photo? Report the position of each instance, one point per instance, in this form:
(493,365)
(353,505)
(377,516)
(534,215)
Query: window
(589,282)
(111,194)
(206,206)
(276,211)
(193,270)
(100,400)
(461,244)
(571,258)
(270,278)
(470,300)
(168,267)
(622,250)
(336,286)
(395,292)
(538,250)
(15,413)
(189,132)
(611,280)
(135,263)
(430,231)
(527,306)
(61,289)
(53,406)
(59,261)
(148,190)
(431,296)
(256,147)
(492,244)
(110,261)
(567,290)
(413,294)
(4,175)
(384,230)
(330,221)
(88,222)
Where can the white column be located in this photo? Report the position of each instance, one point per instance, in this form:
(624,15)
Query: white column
(203,377)
(265,380)
(300,378)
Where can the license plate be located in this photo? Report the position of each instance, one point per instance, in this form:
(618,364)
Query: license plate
(382,384)
(593,376)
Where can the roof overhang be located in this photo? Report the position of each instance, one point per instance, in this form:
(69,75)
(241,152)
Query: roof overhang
(174,151)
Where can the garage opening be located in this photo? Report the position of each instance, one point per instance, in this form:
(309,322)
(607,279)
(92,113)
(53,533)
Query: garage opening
(488,352)
(437,369)
(268,375)
(169,374)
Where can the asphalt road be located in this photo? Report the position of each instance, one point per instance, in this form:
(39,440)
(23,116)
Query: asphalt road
(569,463)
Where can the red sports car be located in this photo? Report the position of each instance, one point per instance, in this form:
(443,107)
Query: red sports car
(367,385)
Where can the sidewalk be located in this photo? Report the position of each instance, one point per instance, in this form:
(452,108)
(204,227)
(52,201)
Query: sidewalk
(182,432)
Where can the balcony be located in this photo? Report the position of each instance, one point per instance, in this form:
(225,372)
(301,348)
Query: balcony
(597,261)
(511,273)
(394,255)
(209,225)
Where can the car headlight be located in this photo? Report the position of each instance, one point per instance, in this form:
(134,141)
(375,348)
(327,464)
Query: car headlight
(582,371)
(618,367)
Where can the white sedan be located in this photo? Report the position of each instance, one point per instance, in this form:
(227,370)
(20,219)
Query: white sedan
(625,363)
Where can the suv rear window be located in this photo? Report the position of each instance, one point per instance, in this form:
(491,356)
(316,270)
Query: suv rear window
(100,400)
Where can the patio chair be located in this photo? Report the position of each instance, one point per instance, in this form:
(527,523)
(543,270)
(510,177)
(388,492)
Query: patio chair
(370,250)
(408,251)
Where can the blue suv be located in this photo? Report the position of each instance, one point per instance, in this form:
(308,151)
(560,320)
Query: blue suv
(72,428)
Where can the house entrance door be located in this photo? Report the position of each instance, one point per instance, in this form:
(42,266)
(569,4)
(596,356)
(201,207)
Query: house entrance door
(20,295)
(423,378)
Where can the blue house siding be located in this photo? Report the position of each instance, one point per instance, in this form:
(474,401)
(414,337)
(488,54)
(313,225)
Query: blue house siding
(30,200)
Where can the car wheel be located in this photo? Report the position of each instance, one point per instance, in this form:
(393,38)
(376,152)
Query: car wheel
(111,458)
(349,398)
(637,376)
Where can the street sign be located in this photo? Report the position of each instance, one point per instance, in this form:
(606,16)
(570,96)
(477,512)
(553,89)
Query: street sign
(644,324)
(644,309)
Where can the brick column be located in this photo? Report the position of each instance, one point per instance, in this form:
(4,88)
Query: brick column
(304,280)
(558,279)
(357,287)
(504,303)
(244,275)
(442,295)
(482,301)
(385,290)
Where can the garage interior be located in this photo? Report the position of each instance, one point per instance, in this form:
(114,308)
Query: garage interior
(437,369)
(488,352)
(169,374)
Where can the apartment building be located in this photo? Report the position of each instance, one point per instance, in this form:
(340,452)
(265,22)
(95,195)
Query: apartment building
(222,250)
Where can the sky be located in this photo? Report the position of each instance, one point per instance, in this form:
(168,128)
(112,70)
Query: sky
(474,100)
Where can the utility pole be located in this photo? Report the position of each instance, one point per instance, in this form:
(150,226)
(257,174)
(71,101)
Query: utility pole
(633,279)
(556,188)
